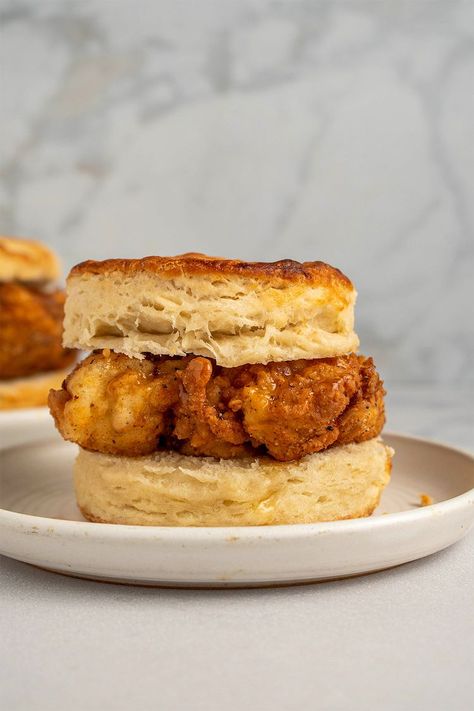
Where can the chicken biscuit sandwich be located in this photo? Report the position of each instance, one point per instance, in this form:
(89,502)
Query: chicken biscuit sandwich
(219,393)
(32,359)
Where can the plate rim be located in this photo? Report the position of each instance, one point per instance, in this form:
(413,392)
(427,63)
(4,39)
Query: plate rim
(43,525)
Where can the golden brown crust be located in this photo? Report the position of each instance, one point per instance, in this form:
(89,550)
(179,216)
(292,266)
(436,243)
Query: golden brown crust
(26,260)
(31,331)
(191,263)
(125,406)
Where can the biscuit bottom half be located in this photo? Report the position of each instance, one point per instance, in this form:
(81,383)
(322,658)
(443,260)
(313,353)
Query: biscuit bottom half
(30,391)
(171,489)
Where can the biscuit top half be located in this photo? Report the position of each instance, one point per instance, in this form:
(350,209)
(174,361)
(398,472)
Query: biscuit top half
(26,260)
(232,311)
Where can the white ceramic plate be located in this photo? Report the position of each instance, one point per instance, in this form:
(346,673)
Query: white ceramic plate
(28,425)
(40,524)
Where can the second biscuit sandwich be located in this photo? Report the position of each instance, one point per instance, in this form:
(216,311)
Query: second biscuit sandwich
(32,359)
(219,393)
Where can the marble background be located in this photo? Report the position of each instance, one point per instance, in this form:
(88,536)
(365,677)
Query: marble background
(341,131)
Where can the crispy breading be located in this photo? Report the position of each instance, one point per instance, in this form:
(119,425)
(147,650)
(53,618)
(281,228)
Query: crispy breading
(31,331)
(120,405)
(366,416)
(116,404)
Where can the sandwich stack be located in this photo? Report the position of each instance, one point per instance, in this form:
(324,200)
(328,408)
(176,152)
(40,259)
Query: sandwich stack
(32,359)
(219,393)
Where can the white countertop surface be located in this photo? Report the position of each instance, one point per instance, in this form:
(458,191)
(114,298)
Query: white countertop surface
(400,639)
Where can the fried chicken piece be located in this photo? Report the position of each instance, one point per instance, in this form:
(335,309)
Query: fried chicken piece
(365,416)
(292,408)
(203,424)
(120,405)
(31,331)
(116,405)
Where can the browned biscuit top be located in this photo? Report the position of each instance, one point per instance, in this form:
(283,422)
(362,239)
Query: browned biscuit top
(26,260)
(191,263)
